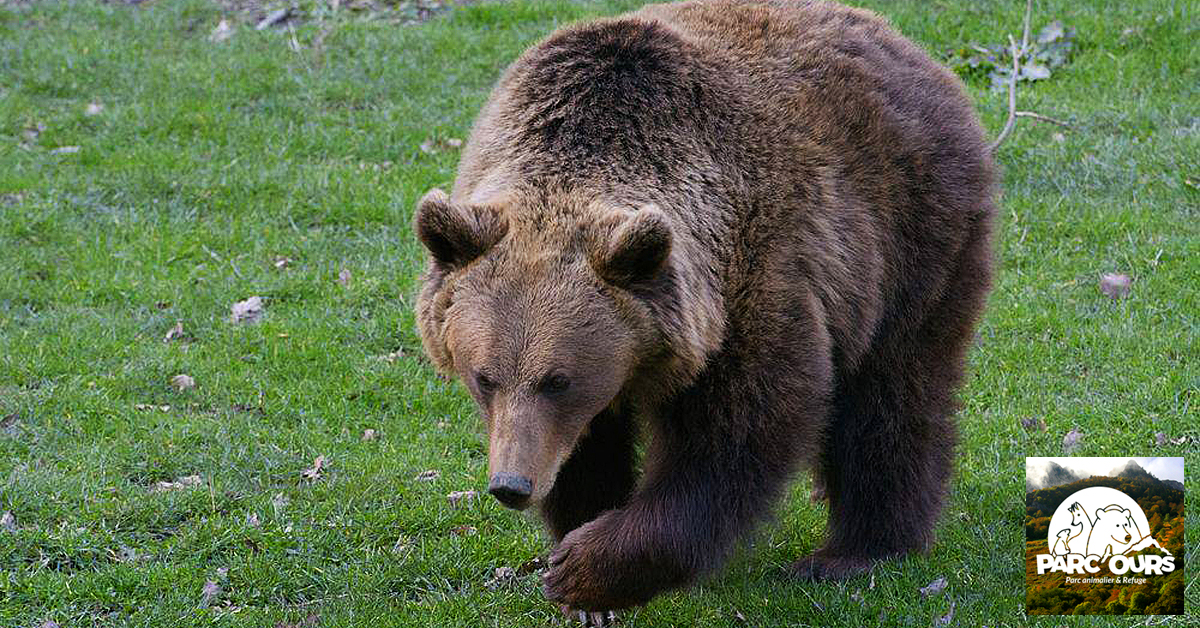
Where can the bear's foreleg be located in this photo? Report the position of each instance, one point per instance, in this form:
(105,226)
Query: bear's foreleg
(720,455)
(598,476)
(678,526)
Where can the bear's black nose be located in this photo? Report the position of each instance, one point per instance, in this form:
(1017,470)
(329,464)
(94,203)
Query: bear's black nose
(511,489)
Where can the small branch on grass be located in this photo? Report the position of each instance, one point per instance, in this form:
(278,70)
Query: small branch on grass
(1038,116)
(1012,96)
(1025,30)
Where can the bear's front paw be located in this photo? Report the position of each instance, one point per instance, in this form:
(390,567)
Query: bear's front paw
(584,574)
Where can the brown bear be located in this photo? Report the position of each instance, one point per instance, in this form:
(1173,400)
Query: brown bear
(758,231)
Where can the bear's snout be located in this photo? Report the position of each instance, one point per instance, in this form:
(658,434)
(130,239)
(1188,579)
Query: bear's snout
(511,489)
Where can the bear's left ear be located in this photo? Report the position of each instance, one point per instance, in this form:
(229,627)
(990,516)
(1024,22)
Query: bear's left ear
(631,247)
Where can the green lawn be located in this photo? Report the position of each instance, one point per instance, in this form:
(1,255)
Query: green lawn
(207,162)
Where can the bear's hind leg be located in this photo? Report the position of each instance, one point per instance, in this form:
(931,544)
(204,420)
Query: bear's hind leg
(599,475)
(890,444)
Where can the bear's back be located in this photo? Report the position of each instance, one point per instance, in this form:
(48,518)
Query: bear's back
(810,128)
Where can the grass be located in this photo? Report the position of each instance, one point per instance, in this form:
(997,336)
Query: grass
(208,161)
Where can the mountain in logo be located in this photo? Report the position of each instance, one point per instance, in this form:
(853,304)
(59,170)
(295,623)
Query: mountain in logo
(1133,471)
(1055,475)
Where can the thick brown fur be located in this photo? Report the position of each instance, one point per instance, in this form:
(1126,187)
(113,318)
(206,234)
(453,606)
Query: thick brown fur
(759,230)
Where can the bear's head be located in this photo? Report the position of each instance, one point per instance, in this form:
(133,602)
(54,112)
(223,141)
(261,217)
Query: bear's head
(1115,524)
(535,311)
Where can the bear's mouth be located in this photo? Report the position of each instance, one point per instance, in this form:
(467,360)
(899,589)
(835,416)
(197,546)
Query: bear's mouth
(1122,540)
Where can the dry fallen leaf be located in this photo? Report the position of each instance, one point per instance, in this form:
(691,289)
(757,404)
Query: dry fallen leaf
(174,332)
(65,150)
(1034,424)
(282,262)
(8,521)
(314,472)
(125,554)
(1071,440)
(344,277)
(500,577)
(93,109)
(934,588)
(150,406)
(463,530)
(49,623)
(428,476)
(252,519)
(368,434)
(209,593)
(180,482)
(183,382)
(1161,439)
(433,146)
(31,133)
(223,31)
(1058,137)
(461,498)
(1116,286)
(504,573)
(393,356)
(945,620)
(247,311)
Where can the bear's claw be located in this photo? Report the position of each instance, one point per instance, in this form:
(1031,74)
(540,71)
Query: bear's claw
(597,619)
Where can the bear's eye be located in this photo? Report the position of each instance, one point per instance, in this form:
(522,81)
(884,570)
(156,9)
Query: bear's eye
(554,384)
(485,384)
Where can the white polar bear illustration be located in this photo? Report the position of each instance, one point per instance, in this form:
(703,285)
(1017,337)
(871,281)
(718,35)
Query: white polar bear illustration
(1113,532)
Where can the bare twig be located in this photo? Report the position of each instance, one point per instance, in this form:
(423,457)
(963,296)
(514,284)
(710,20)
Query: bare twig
(1016,72)
(1038,116)
(1025,31)
(1012,96)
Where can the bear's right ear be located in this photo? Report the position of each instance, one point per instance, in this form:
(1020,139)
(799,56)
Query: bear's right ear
(632,246)
(454,234)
